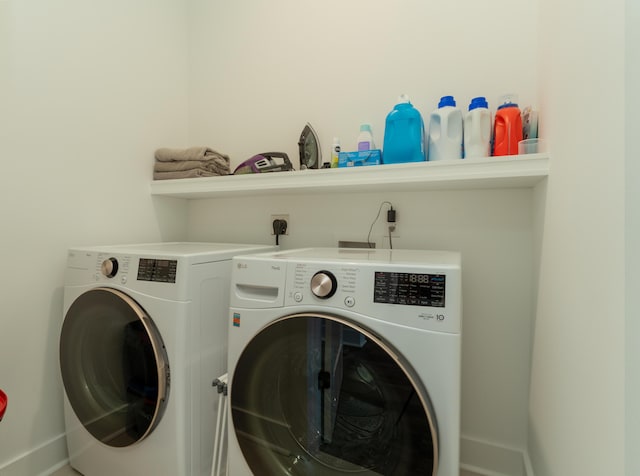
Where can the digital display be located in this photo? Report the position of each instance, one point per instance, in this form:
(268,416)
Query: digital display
(411,289)
(157,270)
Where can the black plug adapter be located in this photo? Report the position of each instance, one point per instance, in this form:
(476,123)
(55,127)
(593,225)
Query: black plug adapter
(391,215)
(279,226)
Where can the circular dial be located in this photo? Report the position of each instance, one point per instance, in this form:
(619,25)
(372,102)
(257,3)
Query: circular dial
(110,267)
(323,284)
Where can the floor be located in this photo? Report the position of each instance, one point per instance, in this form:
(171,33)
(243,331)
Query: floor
(67,471)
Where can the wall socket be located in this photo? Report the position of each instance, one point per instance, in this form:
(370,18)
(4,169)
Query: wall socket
(281,216)
(395,231)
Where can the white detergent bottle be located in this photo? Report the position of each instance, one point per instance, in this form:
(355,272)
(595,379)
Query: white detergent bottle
(445,131)
(477,129)
(365,138)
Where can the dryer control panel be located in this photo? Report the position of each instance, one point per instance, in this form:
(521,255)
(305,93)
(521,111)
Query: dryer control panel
(157,276)
(157,270)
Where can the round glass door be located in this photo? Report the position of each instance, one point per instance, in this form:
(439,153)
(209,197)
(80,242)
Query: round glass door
(318,395)
(114,367)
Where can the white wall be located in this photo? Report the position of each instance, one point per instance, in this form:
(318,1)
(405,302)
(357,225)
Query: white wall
(259,71)
(577,384)
(88,91)
(632,238)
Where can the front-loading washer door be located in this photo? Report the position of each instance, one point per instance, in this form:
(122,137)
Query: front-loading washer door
(114,367)
(314,394)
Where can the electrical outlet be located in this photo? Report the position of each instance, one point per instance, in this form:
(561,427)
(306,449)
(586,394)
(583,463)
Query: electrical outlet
(284,217)
(395,231)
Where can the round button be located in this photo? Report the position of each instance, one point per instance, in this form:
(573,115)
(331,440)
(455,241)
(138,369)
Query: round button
(349,301)
(323,284)
(297,297)
(109,267)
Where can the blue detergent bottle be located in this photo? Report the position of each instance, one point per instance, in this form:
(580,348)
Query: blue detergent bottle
(403,134)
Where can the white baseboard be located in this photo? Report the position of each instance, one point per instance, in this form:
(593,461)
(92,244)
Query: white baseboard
(476,455)
(41,460)
(491,459)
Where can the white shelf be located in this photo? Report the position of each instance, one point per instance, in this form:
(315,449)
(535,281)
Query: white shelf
(523,171)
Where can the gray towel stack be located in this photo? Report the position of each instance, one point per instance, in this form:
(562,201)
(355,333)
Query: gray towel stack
(189,163)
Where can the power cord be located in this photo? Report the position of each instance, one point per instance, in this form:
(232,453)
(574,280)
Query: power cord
(391,219)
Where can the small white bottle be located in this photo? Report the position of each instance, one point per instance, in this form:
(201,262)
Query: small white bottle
(477,129)
(335,153)
(445,131)
(365,138)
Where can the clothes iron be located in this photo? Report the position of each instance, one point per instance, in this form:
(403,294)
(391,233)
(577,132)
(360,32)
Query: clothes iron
(309,146)
(264,162)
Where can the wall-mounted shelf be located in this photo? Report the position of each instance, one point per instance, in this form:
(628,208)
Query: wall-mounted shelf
(522,171)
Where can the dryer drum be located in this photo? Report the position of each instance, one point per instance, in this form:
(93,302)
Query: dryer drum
(114,367)
(316,394)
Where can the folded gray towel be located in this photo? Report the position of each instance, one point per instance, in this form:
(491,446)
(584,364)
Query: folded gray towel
(191,173)
(218,165)
(191,153)
(189,163)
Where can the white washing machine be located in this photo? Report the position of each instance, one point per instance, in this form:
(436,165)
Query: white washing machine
(143,337)
(345,361)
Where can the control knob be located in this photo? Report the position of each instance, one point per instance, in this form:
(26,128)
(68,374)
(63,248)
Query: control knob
(109,267)
(323,284)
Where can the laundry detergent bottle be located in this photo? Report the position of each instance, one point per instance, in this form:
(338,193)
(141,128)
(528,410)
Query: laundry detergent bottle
(403,134)
(477,129)
(365,138)
(445,131)
(507,130)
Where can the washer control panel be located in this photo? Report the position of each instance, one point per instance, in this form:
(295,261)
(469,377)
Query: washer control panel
(414,296)
(309,282)
(388,287)
(414,289)
(419,289)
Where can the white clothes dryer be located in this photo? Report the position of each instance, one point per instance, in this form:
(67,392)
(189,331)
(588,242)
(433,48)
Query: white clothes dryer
(345,361)
(144,335)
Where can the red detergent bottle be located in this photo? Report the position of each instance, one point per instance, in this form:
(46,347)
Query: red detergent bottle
(507,130)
